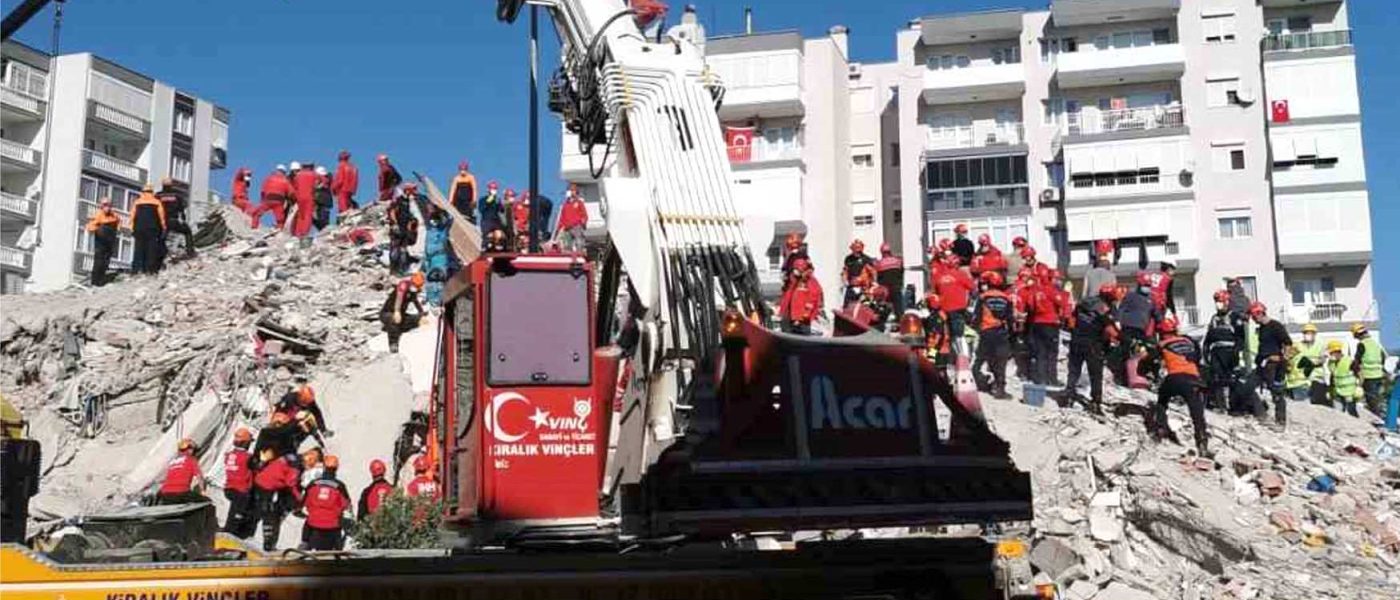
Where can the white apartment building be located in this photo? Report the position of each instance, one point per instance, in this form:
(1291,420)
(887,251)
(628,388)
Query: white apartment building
(108,130)
(1220,135)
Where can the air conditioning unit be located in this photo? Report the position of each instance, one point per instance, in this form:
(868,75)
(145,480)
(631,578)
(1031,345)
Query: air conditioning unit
(1051,196)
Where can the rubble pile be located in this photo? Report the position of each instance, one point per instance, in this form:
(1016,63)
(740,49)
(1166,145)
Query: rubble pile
(1310,512)
(103,374)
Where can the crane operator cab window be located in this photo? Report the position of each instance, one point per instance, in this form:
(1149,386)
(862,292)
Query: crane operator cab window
(538,328)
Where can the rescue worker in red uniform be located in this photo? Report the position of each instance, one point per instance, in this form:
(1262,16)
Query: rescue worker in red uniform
(345,183)
(389,178)
(993,317)
(520,217)
(304,190)
(801,302)
(242,180)
(147,230)
(1044,311)
(954,287)
(325,502)
(276,490)
(1180,357)
(857,273)
(183,479)
(989,258)
(276,192)
(1020,334)
(573,220)
(1093,328)
(238,486)
(1030,263)
(889,272)
(378,489)
(1160,283)
(423,483)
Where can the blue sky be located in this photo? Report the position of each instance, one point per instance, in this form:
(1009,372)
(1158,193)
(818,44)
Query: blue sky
(433,82)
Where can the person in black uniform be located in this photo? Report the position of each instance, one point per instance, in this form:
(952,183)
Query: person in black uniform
(172,196)
(993,317)
(1136,315)
(1180,357)
(962,246)
(1094,326)
(1270,364)
(1224,340)
(147,230)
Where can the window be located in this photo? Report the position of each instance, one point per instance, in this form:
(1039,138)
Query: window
(864,161)
(1235,228)
(1313,291)
(898,215)
(948,61)
(184,123)
(1222,92)
(1161,36)
(864,220)
(1219,29)
(1228,156)
(1237,160)
(1006,56)
(1299,24)
(181,169)
(894,154)
(557,302)
(1149,175)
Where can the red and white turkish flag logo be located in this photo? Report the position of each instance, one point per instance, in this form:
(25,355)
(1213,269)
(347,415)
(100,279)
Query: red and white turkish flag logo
(740,143)
(1279,111)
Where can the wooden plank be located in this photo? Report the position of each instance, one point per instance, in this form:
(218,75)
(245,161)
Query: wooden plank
(465,235)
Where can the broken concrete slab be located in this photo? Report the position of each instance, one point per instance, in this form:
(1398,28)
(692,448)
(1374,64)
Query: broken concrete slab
(1053,557)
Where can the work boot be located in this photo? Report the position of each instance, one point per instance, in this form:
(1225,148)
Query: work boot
(1202,450)
(1094,407)
(1000,393)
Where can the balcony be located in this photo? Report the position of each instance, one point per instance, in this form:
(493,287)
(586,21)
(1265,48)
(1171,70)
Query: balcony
(1162,119)
(15,259)
(1308,40)
(1323,230)
(21,155)
(218,157)
(1116,66)
(18,207)
(937,202)
(976,135)
(1069,13)
(975,83)
(1339,314)
(20,104)
(126,123)
(759,154)
(113,166)
(761,85)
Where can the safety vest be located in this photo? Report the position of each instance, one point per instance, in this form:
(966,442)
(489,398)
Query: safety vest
(1343,380)
(1373,361)
(1295,377)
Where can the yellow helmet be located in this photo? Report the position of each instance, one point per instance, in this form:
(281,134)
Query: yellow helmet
(1358,329)
(1334,346)
(1310,328)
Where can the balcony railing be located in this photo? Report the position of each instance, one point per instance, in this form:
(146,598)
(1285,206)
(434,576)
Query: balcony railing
(1325,312)
(19,205)
(20,153)
(763,153)
(113,166)
(82,263)
(21,101)
(15,258)
(974,199)
(977,135)
(1090,122)
(111,116)
(1307,40)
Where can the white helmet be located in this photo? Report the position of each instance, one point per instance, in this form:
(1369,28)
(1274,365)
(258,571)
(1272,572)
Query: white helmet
(296,166)
(282,168)
(320,170)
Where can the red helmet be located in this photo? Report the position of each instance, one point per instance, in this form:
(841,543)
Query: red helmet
(377,468)
(1258,308)
(880,293)
(344,155)
(306,396)
(421,464)
(510,192)
(1168,325)
(801,265)
(1144,278)
(960,228)
(1108,291)
(1018,242)
(857,246)
(382,158)
(793,241)
(463,166)
(281,418)
(945,245)
(1221,295)
(993,279)
(932,300)
(492,185)
(984,240)
(331,462)
(1027,252)
(885,248)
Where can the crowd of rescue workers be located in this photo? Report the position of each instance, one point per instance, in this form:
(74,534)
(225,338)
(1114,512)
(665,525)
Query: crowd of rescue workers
(268,479)
(999,308)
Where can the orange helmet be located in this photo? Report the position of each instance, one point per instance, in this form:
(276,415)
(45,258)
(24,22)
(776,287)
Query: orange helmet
(242,436)
(794,241)
(421,464)
(377,468)
(186,445)
(993,279)
(306,396)
(1168,325)
(281,418)
(332,462)
(857,246)
(960,228)
(417,279)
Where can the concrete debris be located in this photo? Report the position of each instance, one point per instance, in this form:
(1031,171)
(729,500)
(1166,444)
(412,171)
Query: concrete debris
(115,375)
(1118,515)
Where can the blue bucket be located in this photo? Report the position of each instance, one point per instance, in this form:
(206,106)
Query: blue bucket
(1323,483)
(1033,394)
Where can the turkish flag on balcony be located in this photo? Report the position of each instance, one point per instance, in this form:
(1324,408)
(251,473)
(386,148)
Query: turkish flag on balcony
(1279,111)
(740,143)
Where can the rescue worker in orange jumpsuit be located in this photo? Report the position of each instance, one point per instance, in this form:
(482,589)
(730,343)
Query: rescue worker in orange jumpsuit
(103,228)
(1180,357)
(801,302)
(148,229)
(345,183)
(857,272)
(183,479)
(1094,326)
(378,489)
(238,486)
(793,249)
(242,180)
(394,314)
(573,219)
(423,483)
(995,313)
(304,184)
(389,178)
(276,191)
(463,194)
(325,501)
(276,490)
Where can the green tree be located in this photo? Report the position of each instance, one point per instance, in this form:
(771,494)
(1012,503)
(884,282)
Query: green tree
(401,523)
